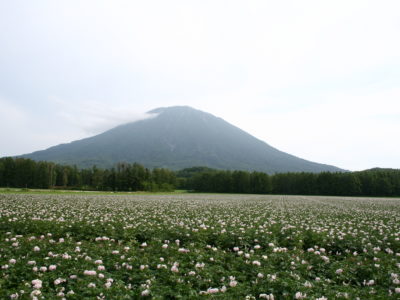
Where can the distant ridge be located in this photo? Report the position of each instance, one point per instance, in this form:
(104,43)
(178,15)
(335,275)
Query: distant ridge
(377,169)
(179,137)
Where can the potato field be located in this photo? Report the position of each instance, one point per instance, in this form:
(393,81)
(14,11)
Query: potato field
(198,246)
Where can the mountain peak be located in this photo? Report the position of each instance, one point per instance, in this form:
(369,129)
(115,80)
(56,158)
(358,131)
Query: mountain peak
(160,110)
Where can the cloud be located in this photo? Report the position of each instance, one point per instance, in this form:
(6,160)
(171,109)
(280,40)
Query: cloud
(93,117)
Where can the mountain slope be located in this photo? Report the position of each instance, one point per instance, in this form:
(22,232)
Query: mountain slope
(176,138)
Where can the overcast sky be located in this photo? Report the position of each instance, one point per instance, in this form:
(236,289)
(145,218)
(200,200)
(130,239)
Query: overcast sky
(317,79)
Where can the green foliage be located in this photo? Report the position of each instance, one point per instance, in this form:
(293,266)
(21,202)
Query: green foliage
(385,182)
(26,173)
(182,246)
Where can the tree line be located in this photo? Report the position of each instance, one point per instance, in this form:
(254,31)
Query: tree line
(374,182)
(27,173)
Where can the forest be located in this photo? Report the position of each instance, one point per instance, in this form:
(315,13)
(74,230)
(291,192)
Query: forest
(374,182)
(27,173)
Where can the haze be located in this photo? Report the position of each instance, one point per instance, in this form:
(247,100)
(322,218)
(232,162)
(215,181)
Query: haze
(319,80)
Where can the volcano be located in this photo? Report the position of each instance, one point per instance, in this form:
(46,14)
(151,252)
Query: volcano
(176,138)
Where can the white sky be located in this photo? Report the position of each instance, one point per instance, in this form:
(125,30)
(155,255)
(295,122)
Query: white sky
(317,79)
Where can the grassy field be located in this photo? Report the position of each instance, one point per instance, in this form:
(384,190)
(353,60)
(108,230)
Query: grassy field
(69,245)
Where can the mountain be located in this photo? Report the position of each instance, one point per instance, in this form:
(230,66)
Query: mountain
(377,169)
(176,138)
